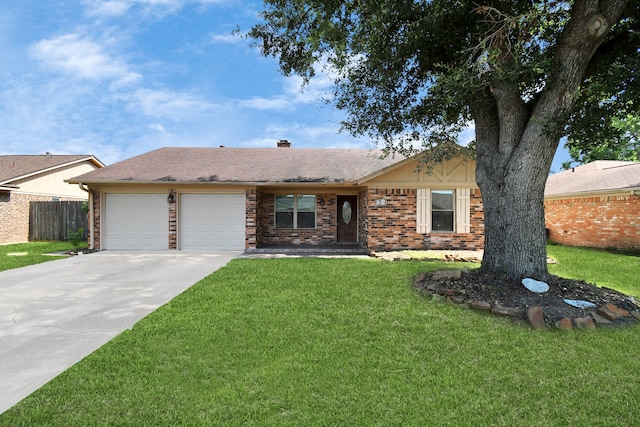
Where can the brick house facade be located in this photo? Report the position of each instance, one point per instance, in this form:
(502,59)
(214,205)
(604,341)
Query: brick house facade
(390,204)
(26,179)
(595,205)
(606,221)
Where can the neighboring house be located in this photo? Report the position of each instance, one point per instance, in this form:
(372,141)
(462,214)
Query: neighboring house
(595,205)
(25,179)
(247,199)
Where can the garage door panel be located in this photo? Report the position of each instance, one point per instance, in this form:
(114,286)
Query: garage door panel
(212,221)
(136,221)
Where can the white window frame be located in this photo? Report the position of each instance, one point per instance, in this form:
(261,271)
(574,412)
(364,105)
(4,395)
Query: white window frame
(462,213)
(451,193)
(295,212)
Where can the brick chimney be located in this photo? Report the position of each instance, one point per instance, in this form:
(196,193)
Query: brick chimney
(283,143)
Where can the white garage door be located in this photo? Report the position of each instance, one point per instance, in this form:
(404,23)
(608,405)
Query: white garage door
(136,221)
(212,221)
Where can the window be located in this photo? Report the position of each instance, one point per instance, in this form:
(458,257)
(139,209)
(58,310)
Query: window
(295,211)
(442,210)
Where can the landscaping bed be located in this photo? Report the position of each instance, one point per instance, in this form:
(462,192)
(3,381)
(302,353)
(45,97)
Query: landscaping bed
(507,297)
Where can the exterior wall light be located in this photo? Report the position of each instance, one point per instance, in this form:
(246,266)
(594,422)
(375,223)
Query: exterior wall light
(172,197)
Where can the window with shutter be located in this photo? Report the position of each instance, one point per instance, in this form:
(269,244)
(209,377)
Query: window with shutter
(443,211)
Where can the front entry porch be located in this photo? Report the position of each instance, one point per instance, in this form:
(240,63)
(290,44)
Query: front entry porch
(309,250)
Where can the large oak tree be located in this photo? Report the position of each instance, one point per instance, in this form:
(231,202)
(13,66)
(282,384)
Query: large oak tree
(412,74)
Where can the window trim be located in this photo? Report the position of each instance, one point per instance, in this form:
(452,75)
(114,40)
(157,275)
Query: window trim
(295,211)
(452,210)
(462,210)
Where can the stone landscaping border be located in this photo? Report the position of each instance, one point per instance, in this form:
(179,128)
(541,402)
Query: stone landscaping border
(606,315)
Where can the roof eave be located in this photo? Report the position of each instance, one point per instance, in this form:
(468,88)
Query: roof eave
(594,193)
(92,159)
(239,183)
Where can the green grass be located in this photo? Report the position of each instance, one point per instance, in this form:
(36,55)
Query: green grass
(23,254)
(616,271)
(324,342)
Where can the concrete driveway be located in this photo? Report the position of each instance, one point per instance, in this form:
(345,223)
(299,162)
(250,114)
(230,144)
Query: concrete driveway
(54,314)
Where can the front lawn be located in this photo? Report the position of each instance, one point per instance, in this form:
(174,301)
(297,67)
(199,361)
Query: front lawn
(323,342)
(23,254)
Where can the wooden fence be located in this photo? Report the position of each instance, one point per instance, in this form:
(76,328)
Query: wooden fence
(54,220)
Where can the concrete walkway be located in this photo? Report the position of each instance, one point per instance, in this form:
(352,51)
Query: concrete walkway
(54,314)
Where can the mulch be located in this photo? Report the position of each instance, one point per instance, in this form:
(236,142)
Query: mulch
(477,286)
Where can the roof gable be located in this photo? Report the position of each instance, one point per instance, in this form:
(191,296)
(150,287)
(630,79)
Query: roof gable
(17,167)
(598,176)
(242,165)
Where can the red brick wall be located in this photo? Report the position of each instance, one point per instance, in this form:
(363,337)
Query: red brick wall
(393,226)
(324,233)
(600,222)
(250,226)
(14,216)
(96,220)
(363,219)
(173,224)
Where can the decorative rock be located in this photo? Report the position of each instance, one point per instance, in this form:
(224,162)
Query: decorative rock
(612,312)
(458,299)
(535,285)
(536,318)
(505,311)
(447,274)
(480,305)
(447,292)
(419,278)
(564,324)
(635,314)
(432,286)
(579,303)
(600,320)
(584,323)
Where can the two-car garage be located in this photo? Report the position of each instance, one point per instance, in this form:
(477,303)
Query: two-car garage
(204,221)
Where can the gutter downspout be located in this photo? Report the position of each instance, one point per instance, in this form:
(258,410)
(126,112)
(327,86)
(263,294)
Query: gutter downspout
(83,187)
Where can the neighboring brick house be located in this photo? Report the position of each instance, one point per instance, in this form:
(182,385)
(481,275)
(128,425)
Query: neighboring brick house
(24,179)
(595,205)
(247,199)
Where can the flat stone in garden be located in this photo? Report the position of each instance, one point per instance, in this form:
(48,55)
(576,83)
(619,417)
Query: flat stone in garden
(612,312)
(447,274)
(536,318)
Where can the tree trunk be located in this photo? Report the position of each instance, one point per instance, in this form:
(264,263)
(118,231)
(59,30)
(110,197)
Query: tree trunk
(516,143)
(515,237)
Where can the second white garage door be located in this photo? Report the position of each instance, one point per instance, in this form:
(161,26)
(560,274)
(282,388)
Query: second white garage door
(212,221)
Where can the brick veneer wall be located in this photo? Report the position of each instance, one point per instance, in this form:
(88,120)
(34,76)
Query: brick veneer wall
(14,216)
(600,221)
(393,226)
(96,220)
(324,233)
(173,224)
(251,197)
(363,219)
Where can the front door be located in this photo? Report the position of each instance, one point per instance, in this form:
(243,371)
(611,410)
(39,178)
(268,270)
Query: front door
(347,219)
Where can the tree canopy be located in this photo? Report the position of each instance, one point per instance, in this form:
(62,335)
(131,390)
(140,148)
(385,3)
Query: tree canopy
(412,74)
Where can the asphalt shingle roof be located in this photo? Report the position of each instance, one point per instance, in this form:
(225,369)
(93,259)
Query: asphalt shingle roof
(12,167)
(601,175)
(227,165)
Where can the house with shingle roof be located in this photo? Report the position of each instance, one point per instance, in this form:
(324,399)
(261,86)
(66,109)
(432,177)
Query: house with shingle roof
(258,198)
(595,205)
(30,178)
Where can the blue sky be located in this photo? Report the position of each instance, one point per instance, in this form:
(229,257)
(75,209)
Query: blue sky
(117,78)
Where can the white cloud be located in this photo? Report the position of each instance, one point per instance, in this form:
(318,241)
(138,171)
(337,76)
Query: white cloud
(113,8)
(226,38)
(81,57)
(167,104)
(318,89)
